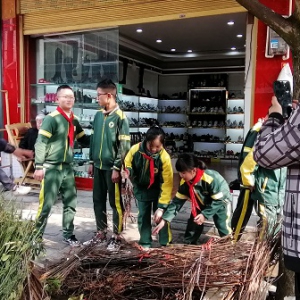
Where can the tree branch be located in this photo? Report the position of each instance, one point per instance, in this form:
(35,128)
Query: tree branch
(278,23)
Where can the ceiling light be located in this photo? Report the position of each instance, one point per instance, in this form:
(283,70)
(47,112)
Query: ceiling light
(173,49)
(239,36)
(139,30)
(190,51)
(233,48)
(230,23)
(158,41)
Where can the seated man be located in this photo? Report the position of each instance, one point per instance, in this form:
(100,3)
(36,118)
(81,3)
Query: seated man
(4,179)
(27,142)
(29,139)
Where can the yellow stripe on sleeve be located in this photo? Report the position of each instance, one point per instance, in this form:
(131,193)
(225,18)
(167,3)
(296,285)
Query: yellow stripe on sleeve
(124,137)
(217,196)
(181,196)
(167,175)
(45,133)
(80,134)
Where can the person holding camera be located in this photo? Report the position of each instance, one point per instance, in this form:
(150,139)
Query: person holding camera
(277,147)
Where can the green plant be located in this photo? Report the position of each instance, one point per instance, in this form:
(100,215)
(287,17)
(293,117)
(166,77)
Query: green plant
(17,248)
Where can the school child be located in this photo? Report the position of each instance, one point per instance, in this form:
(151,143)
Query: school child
(209,195)
(150,168)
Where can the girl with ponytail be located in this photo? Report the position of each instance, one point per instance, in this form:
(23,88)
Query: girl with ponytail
(208,193)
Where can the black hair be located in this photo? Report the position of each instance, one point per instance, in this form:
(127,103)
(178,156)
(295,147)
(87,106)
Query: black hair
(153,133)
(107,84)
(187,162)
(62,87)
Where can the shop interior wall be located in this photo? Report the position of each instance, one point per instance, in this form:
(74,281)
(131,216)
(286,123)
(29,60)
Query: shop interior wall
(171,84)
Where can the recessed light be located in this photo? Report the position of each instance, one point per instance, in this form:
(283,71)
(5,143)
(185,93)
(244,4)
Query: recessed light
(139,30)
(233,48)
(190,51)
(173,49)
(230,23)
(239,35)
(158,41)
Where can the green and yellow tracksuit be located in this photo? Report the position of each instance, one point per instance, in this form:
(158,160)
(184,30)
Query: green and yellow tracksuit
(109,145)
(150,194)
(54,155)
(213,196)
(260,187)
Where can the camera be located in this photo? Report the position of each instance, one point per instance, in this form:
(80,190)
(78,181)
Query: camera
(282,90)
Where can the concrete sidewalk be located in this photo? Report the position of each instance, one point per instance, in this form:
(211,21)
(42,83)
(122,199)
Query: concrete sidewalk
(85,224)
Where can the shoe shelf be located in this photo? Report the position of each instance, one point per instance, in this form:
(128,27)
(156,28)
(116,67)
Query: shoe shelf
(234,125)
(207,117)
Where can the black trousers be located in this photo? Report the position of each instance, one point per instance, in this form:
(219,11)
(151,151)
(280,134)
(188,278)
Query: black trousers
(297,286)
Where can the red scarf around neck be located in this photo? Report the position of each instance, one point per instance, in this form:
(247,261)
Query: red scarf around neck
(151,165)
(197,178)
(71,125)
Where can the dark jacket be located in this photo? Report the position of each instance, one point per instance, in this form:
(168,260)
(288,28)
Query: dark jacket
(6,147)
(29,139)
(277,147)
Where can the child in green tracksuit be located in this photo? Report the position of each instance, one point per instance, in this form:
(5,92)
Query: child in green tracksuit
(209,195)
(150,168)
(109,144)
(260,188)
(54,162)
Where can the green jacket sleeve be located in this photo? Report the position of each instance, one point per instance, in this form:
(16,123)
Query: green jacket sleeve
(124,142)
(45,133)
(176,204)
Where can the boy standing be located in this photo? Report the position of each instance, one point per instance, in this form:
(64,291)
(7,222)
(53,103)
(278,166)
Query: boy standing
(54,162)
(109,144)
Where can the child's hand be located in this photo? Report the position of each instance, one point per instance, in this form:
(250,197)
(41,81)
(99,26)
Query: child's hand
(157,229)
(125,173)
(158,215)
(199,219)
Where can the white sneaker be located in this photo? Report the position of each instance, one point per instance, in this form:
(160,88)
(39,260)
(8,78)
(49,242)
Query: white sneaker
(22,190)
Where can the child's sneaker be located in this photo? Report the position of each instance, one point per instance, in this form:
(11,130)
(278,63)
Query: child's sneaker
(21,190)
(113,244)
(72,241)
(99,238)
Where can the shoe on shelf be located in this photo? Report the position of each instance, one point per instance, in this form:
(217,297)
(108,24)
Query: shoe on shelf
(21,190)
(113,244)
(99,238)
(72,241)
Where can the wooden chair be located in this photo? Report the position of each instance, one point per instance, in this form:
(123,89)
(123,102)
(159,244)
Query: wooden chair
(15,133)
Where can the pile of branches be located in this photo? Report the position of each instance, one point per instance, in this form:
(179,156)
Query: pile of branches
(177,272)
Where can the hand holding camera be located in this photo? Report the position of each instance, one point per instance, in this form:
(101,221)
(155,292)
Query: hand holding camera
(282,91)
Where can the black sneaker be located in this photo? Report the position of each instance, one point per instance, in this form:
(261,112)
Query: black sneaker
(113,245)
(72,241)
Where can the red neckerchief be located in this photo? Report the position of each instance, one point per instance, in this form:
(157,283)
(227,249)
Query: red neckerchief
(151,165)
(71,125)
(195,204)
